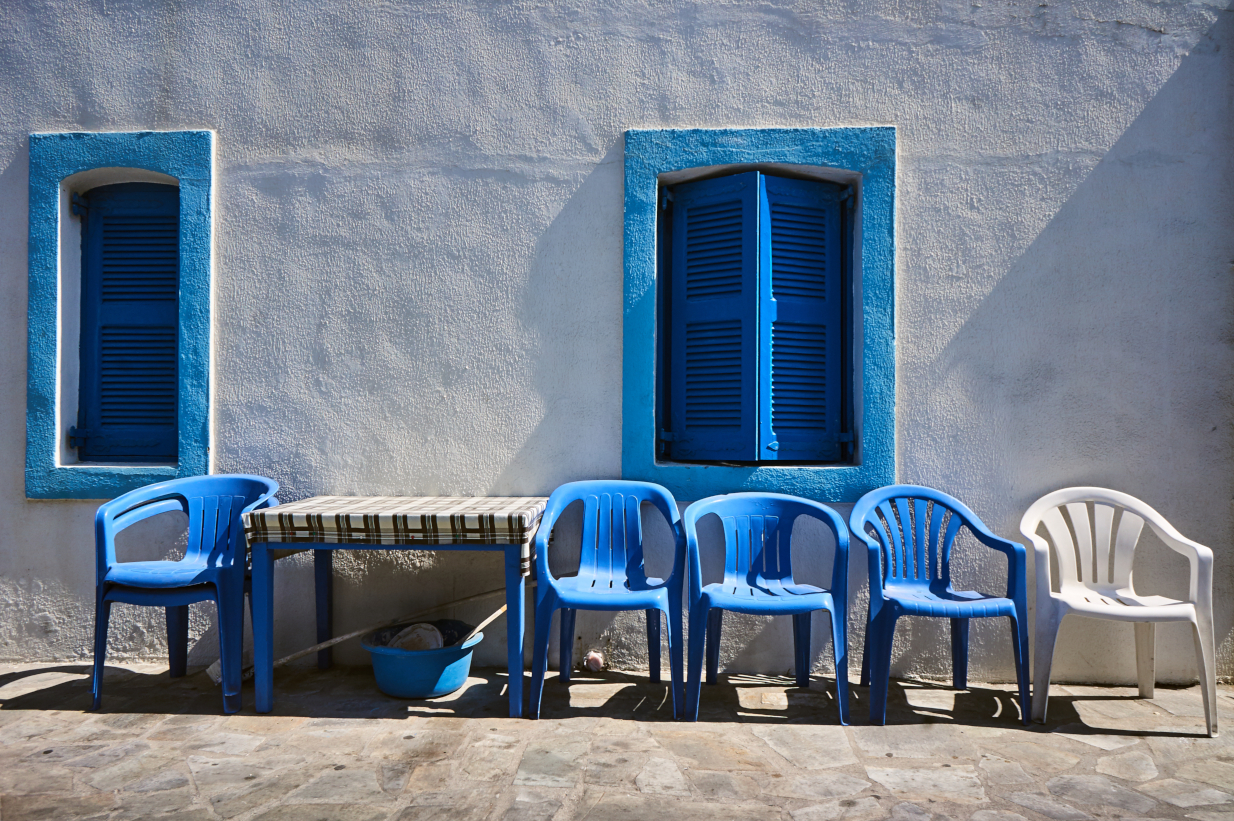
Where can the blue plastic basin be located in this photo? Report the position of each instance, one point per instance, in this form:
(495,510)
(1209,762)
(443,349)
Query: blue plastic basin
(420,673)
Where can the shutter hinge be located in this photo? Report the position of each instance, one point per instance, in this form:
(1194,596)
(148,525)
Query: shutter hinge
(666,196)
(78,437)
(846,436)
(666,436)
(78,206)
(773,446)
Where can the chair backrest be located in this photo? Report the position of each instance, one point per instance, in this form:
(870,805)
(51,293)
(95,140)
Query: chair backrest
(915,528)
(758,535)
(1084,547)
(213,504)
(611,549)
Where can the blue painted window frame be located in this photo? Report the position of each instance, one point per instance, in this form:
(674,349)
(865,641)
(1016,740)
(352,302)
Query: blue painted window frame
(189,157)
(866,151)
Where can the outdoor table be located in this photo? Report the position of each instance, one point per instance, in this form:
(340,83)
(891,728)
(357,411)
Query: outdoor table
(324,524)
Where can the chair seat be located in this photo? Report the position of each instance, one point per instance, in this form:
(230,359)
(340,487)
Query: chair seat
(937,600)
(774,599)
(1123,605)
(590,593)
(160,574)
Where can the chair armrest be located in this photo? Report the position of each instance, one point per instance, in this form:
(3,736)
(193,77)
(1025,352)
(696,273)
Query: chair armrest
(694,565)
(1041,562)
(874,556)
(118,514)
(1201,560)
(1017,563)
(839,568)
(551,513)
(261,503)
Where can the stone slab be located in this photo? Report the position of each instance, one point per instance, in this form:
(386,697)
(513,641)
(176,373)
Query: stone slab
(810,747)
(1096,790)
(1135,766)
(1184,793)
(959,783)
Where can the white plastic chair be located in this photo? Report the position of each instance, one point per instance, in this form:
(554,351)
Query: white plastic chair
(1089,587)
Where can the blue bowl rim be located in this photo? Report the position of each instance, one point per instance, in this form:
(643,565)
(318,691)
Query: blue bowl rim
(393,651)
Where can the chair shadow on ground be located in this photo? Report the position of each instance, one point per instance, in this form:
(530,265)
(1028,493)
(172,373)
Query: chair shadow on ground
(351,692)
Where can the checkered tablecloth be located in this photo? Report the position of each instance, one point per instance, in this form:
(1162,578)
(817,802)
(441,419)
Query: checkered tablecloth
(414,521)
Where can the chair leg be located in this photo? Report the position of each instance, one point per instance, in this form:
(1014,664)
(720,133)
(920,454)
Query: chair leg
(801,648)
(1146,657)
(1202,629)
(230,604)
(959,654)
(539,654)
(839,648)
(880,664)
(653,644)
(865,648)
(1019,649)
(676,650)
(700,631)
(1045,634)
(715,621)
(178,640)
(102,614)
(565,650)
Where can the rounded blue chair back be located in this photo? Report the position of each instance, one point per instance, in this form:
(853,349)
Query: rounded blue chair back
(757,535)
(611,549)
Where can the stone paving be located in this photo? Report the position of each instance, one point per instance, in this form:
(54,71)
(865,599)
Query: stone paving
(606,750)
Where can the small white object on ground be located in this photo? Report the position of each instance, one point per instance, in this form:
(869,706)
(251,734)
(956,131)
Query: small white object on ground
(594,661)
(421,636)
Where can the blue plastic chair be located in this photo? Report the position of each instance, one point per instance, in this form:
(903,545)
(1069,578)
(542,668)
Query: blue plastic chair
(610,575)
(910,531)
(758,579)
(213,567)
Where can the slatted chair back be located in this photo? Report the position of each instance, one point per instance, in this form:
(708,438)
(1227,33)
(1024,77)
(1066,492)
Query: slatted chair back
(758,531)
(915,528)
(611,548)
(1094,543)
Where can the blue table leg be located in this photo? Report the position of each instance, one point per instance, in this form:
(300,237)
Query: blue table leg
(515,591)
(323,583)
(262,604)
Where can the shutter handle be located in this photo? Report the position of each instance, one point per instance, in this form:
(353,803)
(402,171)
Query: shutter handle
(773,446)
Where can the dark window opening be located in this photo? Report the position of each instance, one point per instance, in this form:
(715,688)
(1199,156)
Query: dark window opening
(754,347)
(129,390)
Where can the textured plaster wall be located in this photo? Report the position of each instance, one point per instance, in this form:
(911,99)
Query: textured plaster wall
(418,268)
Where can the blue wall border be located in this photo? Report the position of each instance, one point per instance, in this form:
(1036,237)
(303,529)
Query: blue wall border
(867,151)
(189,157)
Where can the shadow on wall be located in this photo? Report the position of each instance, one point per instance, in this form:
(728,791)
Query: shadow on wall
(1103,357)
(572,308)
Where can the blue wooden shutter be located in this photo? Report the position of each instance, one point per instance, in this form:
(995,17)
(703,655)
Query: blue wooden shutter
(805,396)
(130,280)
(714,346)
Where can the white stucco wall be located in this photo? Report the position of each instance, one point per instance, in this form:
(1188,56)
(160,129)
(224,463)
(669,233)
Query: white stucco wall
(419,266)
